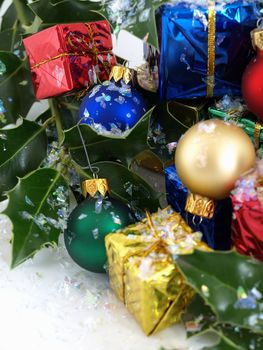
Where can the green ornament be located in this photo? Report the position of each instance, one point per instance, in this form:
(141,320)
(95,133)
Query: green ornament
(88,224)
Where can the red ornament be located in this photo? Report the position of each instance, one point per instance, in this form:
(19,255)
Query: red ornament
(252,81)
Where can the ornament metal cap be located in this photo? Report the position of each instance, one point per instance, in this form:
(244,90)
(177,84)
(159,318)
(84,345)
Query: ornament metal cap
(199,205)
(257,38)
(120,72)
(93,186)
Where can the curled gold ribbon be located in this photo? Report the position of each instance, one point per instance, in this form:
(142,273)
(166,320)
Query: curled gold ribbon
(211,48)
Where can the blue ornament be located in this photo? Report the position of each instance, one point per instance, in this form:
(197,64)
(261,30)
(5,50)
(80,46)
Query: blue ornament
(113,107)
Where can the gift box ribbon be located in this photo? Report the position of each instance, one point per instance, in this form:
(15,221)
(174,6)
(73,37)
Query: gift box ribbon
(211,48)
(77,42)
(253,129)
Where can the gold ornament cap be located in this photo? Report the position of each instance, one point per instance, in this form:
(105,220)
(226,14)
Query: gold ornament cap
(91,187)
(257,38)
(199,205)
(120,72)
(148,79)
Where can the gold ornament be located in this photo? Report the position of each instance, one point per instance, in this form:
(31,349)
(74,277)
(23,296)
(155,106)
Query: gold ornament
(209,159)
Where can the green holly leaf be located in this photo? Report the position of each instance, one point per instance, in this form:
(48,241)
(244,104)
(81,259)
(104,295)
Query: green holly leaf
(126,185)
(11,17)
(34,27)
(101,148)
(67,11)
(68,107)
(43,117)
(231,338)
(16,90)
(136,18)
(10,39)
(22,150)
(35,208)
(229,283)
(150,160)
(198,317)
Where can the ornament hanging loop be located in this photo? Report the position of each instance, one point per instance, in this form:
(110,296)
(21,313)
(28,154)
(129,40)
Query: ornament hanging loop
(260,23)
(94,170)
(199,221)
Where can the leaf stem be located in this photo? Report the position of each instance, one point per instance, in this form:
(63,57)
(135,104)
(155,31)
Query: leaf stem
(81,172)
(20,10)
(56,115)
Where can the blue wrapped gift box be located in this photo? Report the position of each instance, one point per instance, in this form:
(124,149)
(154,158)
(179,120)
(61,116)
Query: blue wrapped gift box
(197,45)
(216,231)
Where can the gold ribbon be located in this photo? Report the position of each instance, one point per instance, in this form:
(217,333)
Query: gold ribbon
(211,48)
(88,50)
(153,234)
(257,131)
(157,241)
(162,243)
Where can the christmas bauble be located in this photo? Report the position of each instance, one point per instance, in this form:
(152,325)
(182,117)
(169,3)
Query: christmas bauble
(88,224)
(252,80)
(113,106)
(211,156)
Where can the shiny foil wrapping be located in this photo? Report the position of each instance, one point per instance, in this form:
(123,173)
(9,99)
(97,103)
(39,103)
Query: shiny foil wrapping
(143,273)
(247,228)
(197,48)
(216,232)
(69,56)
(248,123)
(247,200)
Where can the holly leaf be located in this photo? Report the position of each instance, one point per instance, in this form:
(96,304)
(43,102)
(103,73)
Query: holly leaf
(101,148)
(231,338)
(134,17)
(35,207)
(231,284)
(67,11)
(16,90)
(126,185)
(68,107)
(43,117)
(22,150)
(198,317)
(150,160)
(10,38)
(10,17)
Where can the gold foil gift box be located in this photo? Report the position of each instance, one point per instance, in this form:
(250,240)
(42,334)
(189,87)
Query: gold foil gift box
(143,272)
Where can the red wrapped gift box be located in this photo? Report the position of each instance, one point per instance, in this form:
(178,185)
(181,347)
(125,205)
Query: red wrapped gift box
(66,57)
